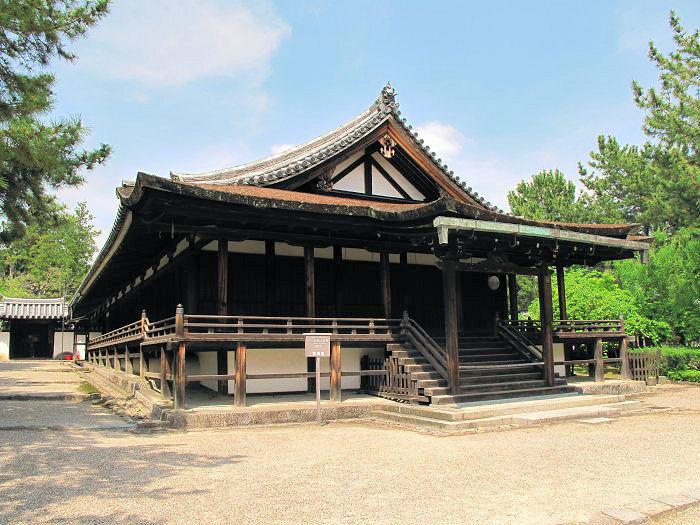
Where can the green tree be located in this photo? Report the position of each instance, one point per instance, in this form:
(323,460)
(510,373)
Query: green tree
(594,294)
(36,155)
(657,184)
(547,196)
(667,288)
(51,259)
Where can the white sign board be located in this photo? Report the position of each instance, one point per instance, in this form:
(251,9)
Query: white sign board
(317,345)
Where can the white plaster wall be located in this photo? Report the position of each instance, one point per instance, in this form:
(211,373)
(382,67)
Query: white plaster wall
(281,361)
(344,164)
(353,181)
(559,356)
(275,361)
(398,177)
(358,254)
(381,186)
(80,343)
(4,346)
(282,248)
(67,338)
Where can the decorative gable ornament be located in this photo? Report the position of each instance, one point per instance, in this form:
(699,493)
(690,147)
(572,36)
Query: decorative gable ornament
(387,146)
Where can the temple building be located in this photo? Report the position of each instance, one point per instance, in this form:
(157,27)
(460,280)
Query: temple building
(210,280)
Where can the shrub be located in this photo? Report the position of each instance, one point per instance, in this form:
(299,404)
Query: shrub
(676,359)
(684,375)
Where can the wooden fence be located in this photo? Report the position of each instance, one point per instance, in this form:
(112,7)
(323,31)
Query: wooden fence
(645,363)
(394,383)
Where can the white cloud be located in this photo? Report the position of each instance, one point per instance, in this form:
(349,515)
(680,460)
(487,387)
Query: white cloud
(162,43)
(444,139)
(279,148)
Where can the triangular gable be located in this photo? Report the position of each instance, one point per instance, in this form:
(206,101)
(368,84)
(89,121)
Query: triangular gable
(397,164)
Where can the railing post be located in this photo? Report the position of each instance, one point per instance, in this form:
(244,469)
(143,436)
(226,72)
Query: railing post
(240,381)
(599,363)
(335,380)
(180,370)
(496,320)
(142,363)
(143,324)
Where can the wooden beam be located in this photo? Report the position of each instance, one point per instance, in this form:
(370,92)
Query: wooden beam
(335,379)
(239,391)
(544,281)
(451,326)
(513,296)
(386,283)
(222,309)
(494,267)
(561,290)
(368,174)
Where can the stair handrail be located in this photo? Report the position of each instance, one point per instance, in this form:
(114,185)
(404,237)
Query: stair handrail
(521,343)
(426,346)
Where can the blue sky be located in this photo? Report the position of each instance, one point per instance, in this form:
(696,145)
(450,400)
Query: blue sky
(499,90)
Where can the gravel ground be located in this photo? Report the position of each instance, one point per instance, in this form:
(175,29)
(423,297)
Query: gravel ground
(37,377)
(348,473)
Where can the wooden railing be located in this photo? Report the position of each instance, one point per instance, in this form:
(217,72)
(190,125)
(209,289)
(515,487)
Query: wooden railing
(122,335)
(569,328)
(519,341)
(390,381)
(426,345)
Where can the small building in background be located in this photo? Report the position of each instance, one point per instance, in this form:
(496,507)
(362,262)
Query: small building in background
(35,329)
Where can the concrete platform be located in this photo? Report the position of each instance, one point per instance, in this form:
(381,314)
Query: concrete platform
(265,410)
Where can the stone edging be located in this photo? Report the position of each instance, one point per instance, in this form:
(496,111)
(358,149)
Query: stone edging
(651,508)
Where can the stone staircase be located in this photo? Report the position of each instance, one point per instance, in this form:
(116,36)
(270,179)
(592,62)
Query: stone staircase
(489,368)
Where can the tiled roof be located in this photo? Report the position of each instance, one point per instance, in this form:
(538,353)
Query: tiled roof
(313,198)
(275,168)
(12,308)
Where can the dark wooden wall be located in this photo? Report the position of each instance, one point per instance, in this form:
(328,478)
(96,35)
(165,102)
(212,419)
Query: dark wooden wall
(415,288)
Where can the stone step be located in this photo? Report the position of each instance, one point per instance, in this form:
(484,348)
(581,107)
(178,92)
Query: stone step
(429,417)
(487,387)
(486,409)
(491,368)
(495,378)
(499,394)
(467,349)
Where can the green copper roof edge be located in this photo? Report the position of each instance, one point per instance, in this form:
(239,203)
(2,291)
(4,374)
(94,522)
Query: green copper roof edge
(453,223)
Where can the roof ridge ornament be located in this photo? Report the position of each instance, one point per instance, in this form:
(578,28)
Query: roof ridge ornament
(387,96)
(387,146)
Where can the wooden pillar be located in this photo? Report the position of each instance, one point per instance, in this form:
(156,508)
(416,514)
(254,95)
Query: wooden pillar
(561,289)
(128,365)
(165,371)
(451,326)
(403,283)
(180,381)
(240,381)
(513,297)
(335,386)
(310,293)
(544,281)
(599,363)
(269,277)
(222,309)
(386,283)
(337,280)
(460,302)
(143,363)
(117,363)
